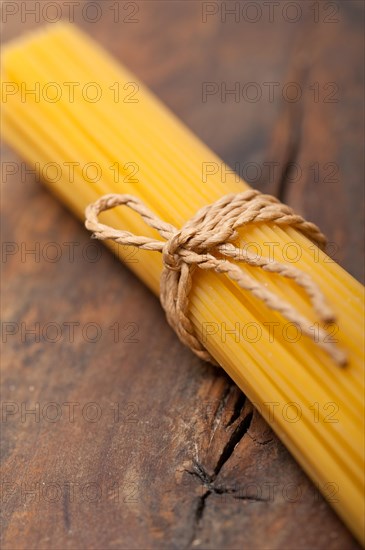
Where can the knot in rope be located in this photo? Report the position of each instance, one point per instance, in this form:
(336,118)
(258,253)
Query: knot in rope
(207,241)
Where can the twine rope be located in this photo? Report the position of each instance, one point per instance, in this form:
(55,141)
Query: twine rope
(205,241)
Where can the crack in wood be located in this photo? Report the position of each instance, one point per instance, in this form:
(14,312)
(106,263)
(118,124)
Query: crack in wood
(287,136)
(221,406)
(200,473)
(292,155)
(238,408)
(236,436)
(199,510)
(208,481)
(255,440)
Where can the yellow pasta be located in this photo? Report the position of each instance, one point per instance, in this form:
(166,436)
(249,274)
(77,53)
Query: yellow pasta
(91,128)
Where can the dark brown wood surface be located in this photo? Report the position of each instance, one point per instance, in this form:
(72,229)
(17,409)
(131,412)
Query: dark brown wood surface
(135,443)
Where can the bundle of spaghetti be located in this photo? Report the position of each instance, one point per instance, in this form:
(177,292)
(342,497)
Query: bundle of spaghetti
(90,128)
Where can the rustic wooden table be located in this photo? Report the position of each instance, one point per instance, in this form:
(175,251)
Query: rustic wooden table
(128,445)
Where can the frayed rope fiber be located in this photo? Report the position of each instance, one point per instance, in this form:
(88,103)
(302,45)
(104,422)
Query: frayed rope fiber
(205,241)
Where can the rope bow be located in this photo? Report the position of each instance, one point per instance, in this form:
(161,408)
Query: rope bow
(205,241)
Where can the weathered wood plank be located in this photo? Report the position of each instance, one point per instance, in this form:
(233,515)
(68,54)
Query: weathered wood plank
(318,141)
(155,449)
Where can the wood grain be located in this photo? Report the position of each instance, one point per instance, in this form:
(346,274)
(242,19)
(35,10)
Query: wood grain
(134,442)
